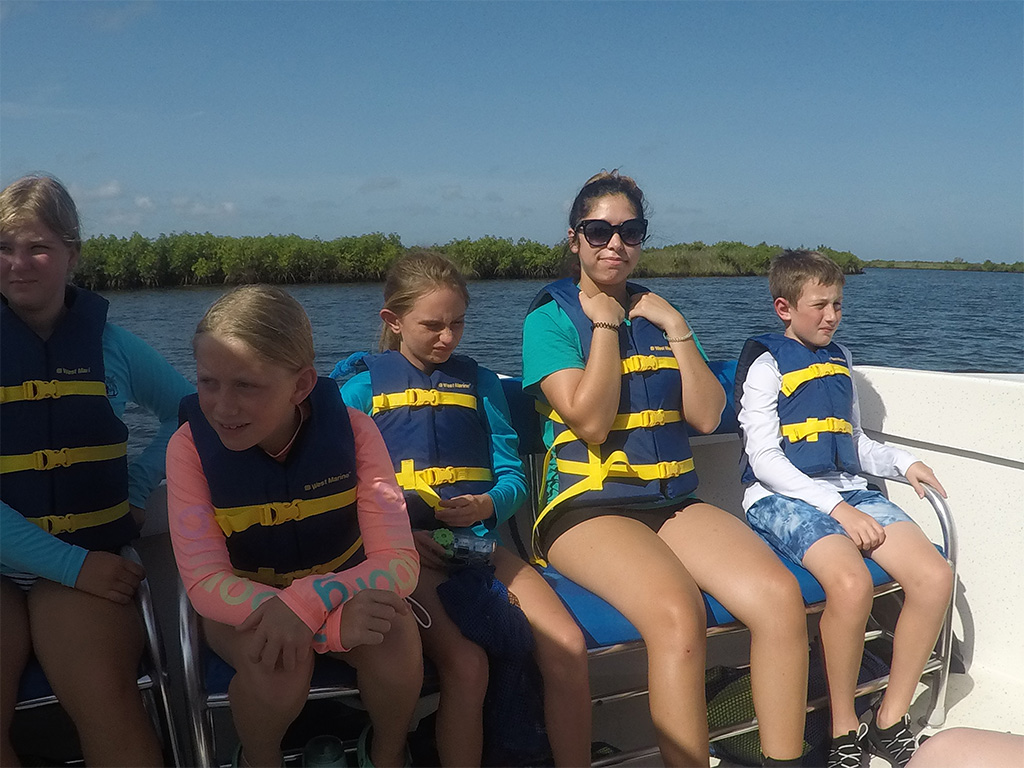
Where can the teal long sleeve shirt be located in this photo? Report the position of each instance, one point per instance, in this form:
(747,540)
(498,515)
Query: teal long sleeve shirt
(509,491)
(135,373)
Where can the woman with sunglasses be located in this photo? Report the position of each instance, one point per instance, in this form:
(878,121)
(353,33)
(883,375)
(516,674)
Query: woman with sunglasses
(619,374)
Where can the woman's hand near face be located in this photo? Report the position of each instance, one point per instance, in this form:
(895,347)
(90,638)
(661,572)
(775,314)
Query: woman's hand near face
(658,312)
(703,396)
(602,308)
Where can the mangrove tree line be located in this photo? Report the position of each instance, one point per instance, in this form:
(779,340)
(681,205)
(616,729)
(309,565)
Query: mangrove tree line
(110,262)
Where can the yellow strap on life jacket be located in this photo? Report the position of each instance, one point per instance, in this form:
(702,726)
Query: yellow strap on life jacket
(808,430)
(70,523)
(596,471)
(417,397)
(62,457)
(236,519)
(641,363)
(792,380)
(40,390)
(274,579)
(623,421)
(649,418)
(423,481)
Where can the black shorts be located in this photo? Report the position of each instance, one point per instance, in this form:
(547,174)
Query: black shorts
(570,518)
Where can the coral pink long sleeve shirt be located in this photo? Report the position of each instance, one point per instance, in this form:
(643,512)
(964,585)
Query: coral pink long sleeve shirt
(201,552)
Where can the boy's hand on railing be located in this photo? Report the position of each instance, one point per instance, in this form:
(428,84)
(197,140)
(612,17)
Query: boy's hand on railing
(432,554)
(918,473)
(278,635)
(367,617)
(863,529)
(110,576)
(464,511)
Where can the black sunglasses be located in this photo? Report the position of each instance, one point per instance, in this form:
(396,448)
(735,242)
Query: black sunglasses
(599,232)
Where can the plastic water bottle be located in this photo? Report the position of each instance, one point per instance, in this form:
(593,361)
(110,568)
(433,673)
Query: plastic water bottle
(324,752)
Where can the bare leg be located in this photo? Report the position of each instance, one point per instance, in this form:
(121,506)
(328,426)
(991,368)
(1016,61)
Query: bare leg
(731,562)
(390,677)
(90,650)
(838,565)
(462,669)
(263,704)
(970,748)
(658,596)
(927,581)
(15,645)
(561,654)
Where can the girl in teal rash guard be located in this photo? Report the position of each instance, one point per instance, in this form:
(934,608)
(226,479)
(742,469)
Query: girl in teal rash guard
(459,426)
(620,373)
(67,375)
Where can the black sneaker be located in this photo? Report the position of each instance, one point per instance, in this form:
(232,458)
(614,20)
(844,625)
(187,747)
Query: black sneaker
(895,744)
(846,751)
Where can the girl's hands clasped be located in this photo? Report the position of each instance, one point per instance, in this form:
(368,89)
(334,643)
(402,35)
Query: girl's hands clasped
(279,637)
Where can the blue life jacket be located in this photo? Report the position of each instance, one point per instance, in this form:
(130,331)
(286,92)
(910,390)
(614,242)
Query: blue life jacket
(815,404)
(285,520)
(434,429)
(646,457)
(64,462)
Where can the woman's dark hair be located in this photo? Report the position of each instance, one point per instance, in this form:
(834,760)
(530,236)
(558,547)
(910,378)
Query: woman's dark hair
(600,185)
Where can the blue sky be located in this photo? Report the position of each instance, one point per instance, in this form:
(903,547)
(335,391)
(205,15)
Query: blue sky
(891,129)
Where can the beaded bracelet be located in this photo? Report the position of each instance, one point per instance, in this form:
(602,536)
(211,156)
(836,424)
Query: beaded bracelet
(609,326)
(674,339)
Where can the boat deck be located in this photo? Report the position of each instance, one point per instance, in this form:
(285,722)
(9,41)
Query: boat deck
(980,460)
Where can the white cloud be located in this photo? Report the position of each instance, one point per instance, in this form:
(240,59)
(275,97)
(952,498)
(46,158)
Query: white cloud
(118,220)
(200,209)
(110,190)
(116,17)
(452,192)
(144,203)
(380,184)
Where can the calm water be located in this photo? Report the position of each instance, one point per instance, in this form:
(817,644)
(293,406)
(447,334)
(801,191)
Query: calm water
(927,319)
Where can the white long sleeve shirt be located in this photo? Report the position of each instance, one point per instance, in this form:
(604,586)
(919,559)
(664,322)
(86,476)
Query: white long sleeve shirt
(762,443)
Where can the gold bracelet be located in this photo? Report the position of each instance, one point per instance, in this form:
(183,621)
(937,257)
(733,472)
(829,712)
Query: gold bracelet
(609,326)
(677,339)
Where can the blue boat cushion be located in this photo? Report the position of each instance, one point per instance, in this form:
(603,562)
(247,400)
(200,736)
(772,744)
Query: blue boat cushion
(525,418)
(603,625)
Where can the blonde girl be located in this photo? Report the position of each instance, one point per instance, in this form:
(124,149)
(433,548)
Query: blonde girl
(67,375)
(596,351)
(464,423)
(289,531)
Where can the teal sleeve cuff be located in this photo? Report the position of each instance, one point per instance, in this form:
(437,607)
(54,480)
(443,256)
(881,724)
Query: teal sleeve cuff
(358,393)
(27,548)
(509,491)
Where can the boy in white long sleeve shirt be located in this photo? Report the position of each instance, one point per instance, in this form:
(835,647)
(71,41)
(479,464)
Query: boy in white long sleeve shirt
(805,452)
